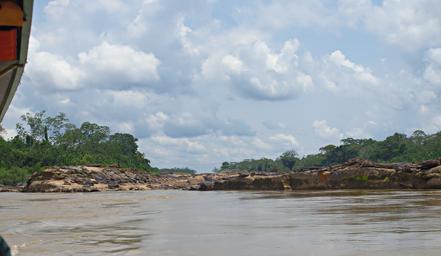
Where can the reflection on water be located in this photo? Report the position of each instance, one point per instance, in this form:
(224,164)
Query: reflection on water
(357,222)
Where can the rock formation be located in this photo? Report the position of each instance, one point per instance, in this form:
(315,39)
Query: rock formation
(355,174)
(95,178)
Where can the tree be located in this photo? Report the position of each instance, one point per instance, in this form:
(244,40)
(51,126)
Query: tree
(340,154)
(42,128)
(57,126)
(418,137)
(94,133)
(393,146)
(327,149)
(44,140)
(289,159)
(123,144)
(122,147)
(225,166)
(32,127)
(2,132)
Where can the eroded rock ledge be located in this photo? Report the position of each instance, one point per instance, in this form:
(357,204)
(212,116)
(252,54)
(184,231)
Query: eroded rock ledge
(355,174)
(95,178)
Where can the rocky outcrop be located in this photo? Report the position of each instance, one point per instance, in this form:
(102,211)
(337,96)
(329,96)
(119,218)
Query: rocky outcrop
(10,188)
(355,174)
(95,178)
(252,181)
(84,179)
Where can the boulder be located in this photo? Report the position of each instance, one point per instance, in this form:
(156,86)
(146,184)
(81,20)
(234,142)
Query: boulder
(256,182)
(434,182)
(428,164)
(436,169)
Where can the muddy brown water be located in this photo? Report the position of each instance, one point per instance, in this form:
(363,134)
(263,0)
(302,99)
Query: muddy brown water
(223,223)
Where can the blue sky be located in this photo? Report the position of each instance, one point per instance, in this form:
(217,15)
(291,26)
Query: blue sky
(202,82)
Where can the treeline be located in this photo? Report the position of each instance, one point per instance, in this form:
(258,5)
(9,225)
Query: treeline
(53,141)
(175,170)
(396,148)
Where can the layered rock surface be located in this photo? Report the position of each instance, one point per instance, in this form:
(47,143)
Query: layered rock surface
(355,174)
(95,178)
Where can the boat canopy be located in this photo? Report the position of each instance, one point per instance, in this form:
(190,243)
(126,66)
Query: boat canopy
(11,14)
(11,19)
(15,28)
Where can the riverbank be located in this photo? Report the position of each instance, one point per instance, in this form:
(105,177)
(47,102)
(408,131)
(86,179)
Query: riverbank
(355,174)
(11,188)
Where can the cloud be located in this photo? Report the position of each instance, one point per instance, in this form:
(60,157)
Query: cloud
(432,72)
(351,12)
(286,13)
(233,64)
(186,144)
(126,98)
(54,7)
(190,125)
(258,72)
(285,139)
(48,70)
(186,126)
(411,25)
(360,73)
(182,33)
(273,125)
(323,130)
(434,125)
(157,120)
(111,63)
(106,65)
(339,73)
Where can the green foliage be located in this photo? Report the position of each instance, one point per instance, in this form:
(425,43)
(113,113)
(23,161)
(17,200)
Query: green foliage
(176,171)
(289,159)
(283,163)
(310,161)
(52,141)
(252,165)
(363,178)
(14,175)
(395,148)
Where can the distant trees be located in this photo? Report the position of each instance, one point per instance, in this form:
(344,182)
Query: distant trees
(44,140)
(256,165)
(284,162)
(176,171)
(288,159)
(396,148)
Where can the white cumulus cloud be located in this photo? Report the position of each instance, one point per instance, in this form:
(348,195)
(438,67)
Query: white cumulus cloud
(119,63)
(325,131)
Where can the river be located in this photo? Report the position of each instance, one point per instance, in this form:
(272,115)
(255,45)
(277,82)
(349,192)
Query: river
(188,223)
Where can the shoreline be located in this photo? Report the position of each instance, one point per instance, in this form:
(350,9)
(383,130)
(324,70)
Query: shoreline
(354,174)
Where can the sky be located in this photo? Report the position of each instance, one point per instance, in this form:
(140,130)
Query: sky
(200,82)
